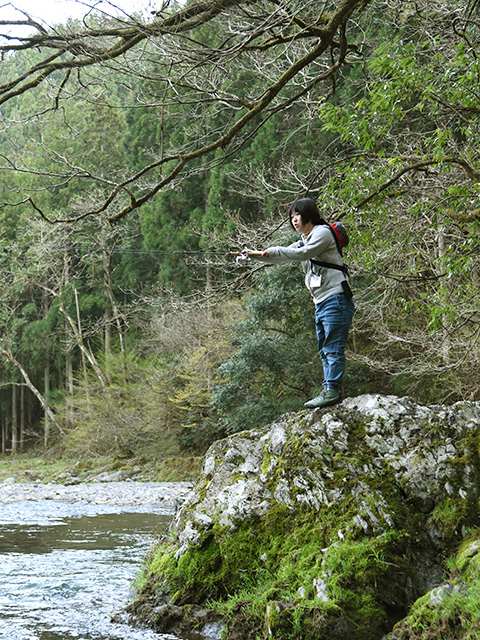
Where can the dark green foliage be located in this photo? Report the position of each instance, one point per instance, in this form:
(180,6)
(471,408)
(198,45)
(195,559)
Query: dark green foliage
(169,228)
(274,366)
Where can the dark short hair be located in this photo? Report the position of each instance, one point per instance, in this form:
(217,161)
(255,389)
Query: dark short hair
(308,210)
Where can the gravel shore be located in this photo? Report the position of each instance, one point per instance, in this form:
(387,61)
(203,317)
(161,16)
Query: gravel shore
(111,492)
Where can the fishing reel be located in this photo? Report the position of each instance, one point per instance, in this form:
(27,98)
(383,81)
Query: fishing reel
(242,256)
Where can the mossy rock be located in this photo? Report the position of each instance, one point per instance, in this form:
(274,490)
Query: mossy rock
(450,611)
(324,525)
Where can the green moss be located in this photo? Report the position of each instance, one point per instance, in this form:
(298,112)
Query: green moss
(279,559)
(360,573)
(468,553)
(452,611)
(201,574)
(451,515)
(456,618)
(202,486)
(267,460)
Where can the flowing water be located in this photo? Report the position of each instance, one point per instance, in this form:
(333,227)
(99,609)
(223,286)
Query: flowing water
(66,568)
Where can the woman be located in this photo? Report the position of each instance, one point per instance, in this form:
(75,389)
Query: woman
(334,307)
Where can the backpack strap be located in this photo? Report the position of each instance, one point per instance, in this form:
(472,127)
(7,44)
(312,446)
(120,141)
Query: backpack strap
(343,267)
(329,265)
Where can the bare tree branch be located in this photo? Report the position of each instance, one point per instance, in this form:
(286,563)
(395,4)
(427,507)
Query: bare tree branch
(470,171)
(287,48)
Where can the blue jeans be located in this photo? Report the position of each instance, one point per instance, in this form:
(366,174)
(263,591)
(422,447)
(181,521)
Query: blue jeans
(333,318)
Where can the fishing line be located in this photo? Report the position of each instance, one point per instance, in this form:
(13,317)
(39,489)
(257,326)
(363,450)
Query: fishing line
(85,249)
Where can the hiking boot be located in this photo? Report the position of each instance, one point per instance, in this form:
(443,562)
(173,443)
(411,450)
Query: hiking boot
(325,399)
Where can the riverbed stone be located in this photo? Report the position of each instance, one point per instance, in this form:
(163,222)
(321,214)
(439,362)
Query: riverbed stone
(327,524)
(169,494)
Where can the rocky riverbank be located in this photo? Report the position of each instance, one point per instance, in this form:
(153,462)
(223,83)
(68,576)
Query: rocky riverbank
(327,525)
(113,492)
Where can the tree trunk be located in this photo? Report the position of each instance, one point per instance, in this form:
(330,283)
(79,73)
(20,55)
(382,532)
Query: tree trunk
(82,353)
(46,391)
(69,377)
(32,388)
(77,332)
(444,296)
(113,312)
(208,292)
(108,338)
(14,419)
(22,418)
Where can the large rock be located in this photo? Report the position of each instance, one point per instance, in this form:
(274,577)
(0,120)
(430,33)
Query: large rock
(326,524)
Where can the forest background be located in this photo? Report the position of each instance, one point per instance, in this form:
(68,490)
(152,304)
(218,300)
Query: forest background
(138,150)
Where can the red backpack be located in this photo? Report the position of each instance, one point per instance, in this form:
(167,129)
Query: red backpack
(340,235)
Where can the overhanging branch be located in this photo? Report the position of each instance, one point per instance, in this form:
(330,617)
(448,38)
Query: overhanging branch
(332,24)
(470,171)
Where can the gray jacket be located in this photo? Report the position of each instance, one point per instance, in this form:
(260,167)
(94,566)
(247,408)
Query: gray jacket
(318,245)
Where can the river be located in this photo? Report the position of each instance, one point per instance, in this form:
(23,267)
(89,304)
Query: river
(67,563)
